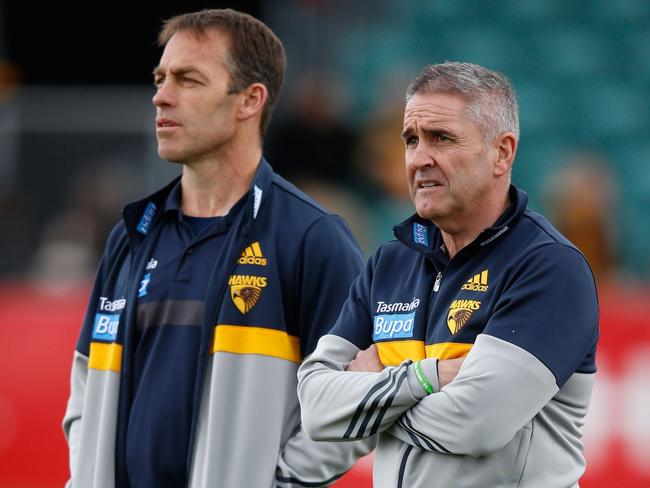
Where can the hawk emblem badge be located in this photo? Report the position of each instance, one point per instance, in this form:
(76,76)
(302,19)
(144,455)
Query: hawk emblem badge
(245,291)
(459,314)
(245,297)
(457,318)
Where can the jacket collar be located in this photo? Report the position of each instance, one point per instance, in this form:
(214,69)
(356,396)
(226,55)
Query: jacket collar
(140,216)
(424,236)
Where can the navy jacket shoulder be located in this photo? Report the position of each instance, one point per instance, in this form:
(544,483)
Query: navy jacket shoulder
(520,281)
(303,242)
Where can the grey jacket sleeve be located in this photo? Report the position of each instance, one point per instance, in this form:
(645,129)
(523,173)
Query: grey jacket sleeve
(72,418)
(330,252)
(341,405)
(304,462)
(499,388)
(528,350)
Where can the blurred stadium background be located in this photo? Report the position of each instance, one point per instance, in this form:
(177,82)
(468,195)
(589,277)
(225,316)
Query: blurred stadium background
(77,142)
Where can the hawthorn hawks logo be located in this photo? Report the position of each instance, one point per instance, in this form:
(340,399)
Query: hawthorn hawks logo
(245,291)
(459,314)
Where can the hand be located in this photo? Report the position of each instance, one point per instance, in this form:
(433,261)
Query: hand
(448,369)
(367,361)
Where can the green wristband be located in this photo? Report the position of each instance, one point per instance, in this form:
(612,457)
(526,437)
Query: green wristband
(419,374)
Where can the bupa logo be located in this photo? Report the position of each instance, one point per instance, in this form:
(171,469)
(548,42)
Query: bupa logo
(395,326)
(105,327)
(420,234)
(147,218)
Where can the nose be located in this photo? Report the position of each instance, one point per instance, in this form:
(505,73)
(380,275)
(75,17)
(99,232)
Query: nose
(164,96)
(420,157)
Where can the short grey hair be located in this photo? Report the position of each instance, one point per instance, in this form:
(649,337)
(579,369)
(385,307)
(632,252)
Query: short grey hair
(491,99)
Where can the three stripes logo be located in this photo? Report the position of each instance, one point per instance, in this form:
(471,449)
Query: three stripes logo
(371,411)
(478,283)
(253,255)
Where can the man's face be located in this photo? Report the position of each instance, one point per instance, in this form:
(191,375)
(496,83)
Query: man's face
(448,166)
(195,116)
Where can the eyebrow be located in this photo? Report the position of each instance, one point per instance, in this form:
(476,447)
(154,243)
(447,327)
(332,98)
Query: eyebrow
(180,71)
(406,132)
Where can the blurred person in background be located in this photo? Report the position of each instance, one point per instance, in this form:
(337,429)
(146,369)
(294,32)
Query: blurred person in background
(581,196)
(380,175)
(10,216)
(468,344)
(313,126)
(72,241)
(211,291)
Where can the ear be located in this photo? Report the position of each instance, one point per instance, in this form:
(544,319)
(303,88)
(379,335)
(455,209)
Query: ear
(506,147)
(253,100)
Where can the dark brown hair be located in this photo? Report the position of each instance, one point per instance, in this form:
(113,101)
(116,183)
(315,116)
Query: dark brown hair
(255,53)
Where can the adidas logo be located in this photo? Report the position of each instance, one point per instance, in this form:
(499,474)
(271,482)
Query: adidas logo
(253,255)
(478,283)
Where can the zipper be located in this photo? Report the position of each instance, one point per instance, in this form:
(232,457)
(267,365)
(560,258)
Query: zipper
(402,467)
(436,284)
(139,258)
(204,352)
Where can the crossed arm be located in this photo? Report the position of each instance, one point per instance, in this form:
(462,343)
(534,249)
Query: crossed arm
(498,389)
(527,349)
(368,360)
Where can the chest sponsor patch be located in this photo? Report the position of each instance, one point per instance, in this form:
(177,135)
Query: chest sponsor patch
(393,326)
(108,305)
(245,291)
(105,326)
(459,314)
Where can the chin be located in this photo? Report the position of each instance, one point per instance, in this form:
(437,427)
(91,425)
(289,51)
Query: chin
(426,211)
(169,155)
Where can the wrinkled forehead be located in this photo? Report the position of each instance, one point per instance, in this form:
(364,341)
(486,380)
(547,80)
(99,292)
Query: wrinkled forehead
(434,107)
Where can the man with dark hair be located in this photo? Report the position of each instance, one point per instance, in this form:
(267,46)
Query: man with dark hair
(211,291)
(468,344)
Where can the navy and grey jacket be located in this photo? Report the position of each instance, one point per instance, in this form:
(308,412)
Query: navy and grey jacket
(276,287)
(519,303)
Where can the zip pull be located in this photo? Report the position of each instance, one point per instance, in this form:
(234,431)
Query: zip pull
(436,285)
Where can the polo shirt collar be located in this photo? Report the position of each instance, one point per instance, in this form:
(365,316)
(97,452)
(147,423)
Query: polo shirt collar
(140,216)
(424,236)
